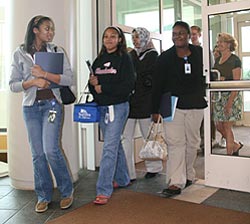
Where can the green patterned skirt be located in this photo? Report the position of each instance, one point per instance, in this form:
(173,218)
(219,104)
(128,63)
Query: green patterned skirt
(219,105)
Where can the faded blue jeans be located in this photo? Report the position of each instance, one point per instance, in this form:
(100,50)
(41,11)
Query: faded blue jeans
(44,140)
(113,166)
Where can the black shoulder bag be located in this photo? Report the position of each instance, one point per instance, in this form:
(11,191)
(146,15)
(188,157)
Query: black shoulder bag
(67,95)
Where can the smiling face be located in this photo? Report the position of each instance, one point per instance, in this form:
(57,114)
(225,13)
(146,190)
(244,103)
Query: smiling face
(111,40)
(45,32)
(226,42)
(195,36)
(136,40)
(180,37)
(223,45)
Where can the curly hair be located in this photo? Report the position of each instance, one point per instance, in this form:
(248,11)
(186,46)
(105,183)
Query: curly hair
(226,37)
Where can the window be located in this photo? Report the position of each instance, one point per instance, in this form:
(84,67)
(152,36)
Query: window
(217,2)
(162,14)
(136,13)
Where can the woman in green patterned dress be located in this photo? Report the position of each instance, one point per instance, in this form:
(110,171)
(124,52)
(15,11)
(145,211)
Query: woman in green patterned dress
(228,108)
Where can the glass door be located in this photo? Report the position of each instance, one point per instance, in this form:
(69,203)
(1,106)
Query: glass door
(244,52)
(222,169)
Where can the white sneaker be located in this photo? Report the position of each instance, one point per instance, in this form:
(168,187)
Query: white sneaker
(223,143)
(215,143)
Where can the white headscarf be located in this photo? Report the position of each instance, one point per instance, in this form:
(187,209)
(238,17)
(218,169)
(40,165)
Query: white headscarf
(145,40)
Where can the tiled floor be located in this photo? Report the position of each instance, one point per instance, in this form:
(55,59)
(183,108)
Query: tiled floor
(241,134)
(17,206)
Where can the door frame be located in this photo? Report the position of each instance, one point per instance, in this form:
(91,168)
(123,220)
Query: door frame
(243,21)
(222,171)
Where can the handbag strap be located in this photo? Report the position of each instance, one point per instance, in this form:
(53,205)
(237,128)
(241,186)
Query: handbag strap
(159,126)
(150,130)
(85,91)
(153,124)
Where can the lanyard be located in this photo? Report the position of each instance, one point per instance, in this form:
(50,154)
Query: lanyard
(187,66)
(185,59)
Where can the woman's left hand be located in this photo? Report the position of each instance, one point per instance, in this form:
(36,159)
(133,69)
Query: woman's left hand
(37,71)
(228,109)
(98,89)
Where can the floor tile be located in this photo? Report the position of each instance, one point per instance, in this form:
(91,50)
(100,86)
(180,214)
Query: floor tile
(239,201)
(17,206)
(5,215)
(196,193)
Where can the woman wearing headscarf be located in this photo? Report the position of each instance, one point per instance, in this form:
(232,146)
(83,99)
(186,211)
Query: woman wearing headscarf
(144,56)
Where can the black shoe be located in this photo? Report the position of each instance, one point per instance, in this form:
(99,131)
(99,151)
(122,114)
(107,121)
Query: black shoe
(168,192)
(150,175)
(188,183)
(236,153)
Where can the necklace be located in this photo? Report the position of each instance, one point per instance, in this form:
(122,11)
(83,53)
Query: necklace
(224,57)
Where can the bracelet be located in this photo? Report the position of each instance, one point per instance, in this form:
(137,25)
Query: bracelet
(45,76)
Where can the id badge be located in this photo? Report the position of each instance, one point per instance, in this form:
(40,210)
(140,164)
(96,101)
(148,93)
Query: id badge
(51,116)
(187,68)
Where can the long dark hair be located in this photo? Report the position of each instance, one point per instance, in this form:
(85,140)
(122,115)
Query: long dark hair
(35,22)
(122,45)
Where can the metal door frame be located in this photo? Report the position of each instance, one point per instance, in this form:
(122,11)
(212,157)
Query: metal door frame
(221,171)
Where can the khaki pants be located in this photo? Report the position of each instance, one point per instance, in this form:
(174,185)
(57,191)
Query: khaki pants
(183,140)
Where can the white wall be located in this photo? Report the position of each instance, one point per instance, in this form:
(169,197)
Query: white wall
(3,112)
(86,28)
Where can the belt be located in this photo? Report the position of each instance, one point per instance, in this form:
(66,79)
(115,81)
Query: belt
(44,94)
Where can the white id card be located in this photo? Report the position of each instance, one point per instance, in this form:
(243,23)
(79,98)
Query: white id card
(187,68)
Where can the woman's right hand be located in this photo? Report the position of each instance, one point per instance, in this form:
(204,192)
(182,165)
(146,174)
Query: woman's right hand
(41,83)
(93,80)
(38,82)
(155,117)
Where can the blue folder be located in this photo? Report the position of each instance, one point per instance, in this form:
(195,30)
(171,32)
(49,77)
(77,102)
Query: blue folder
(50,62)
(174,100)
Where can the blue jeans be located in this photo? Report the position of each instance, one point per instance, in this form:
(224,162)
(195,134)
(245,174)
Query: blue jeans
(44,140)
(113,166)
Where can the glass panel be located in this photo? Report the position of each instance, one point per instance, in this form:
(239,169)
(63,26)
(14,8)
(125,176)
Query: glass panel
(136,13)
(245,31)
(191,12)
(223,133)
(246,67)
(216,2)
(129,40)
(172,11)
(246,101)
(236,126)
(168,21)
(157,44)
(227,23)
(220,23)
